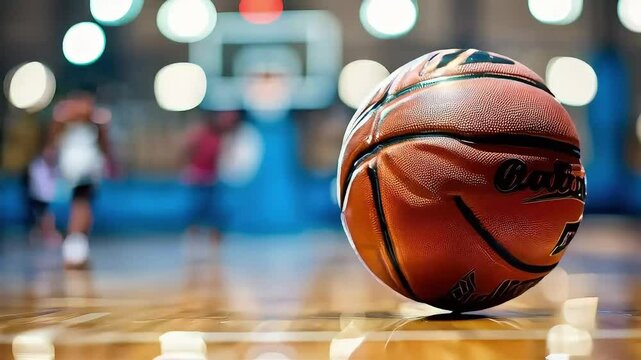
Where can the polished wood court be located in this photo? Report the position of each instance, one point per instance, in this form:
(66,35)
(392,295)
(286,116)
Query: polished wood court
(303,297)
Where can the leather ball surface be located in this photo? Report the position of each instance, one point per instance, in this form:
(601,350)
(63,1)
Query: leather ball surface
(460,180)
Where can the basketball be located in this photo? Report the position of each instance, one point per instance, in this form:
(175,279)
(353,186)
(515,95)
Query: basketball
(460,180)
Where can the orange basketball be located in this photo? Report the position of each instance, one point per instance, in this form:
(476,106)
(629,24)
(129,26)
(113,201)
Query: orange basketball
(460,180)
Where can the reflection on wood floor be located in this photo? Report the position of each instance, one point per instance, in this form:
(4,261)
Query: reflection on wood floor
(303,297)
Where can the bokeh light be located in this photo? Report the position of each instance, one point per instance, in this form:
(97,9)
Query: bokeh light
(581,312)
(83,43)
(387,19)
(180,86)
(358,79)
(115,12)
(31,87)
(33,346)
(556,12)
(566,340)
(185,345)
(260,11)
(630,14)
(186,20)
(572,80)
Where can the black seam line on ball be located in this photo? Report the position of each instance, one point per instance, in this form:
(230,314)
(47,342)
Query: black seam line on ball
(468,214)
(438,80)
(365,113)
(516,140)
(387,238)
(428,83)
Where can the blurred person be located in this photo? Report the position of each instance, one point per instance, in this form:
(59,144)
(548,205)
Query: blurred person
(80,134)
(40,188)
(203,144)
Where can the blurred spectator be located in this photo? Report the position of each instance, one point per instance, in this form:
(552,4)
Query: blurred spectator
(80,133)
(203,144)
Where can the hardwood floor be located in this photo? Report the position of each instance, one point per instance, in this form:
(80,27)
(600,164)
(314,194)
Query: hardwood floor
(303,297)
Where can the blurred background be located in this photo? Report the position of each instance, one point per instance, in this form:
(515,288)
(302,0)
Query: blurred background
(235,110)
(157,122)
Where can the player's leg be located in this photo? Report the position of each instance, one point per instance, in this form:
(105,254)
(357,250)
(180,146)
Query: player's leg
(76,245)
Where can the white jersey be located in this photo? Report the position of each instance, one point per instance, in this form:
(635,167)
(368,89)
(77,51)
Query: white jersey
(81,161)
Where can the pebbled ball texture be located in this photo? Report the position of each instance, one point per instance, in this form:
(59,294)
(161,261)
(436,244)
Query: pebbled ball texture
(460,180)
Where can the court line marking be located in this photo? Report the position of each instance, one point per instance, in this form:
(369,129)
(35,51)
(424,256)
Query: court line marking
(82,302)
(30,314)
(84,318)
(323,336)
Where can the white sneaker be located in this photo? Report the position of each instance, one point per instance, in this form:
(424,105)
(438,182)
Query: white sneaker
(75,250)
